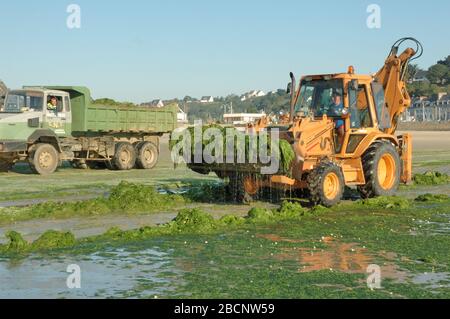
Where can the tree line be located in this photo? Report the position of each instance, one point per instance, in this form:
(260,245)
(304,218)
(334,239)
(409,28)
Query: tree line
(420,82)
(430,82)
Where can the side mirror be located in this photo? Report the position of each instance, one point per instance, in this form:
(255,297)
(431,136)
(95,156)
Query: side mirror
(354,85)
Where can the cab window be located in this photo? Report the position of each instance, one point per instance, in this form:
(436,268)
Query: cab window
(359,108)
(59,104)
(315,97)
(19,101)
(67,103)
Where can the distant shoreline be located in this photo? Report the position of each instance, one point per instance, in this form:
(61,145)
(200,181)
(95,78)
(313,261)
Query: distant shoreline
(424,126)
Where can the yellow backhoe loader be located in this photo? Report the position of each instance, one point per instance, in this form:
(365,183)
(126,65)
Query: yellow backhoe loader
(342,129)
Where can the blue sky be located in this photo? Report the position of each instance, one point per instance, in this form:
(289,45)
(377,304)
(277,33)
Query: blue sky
(138,50)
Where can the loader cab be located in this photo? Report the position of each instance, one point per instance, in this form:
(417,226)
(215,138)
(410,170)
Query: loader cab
(361,108)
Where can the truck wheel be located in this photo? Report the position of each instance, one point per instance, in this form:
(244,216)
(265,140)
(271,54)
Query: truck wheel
(5,166)
(44,159)
(326,184)
(147,155)
(124,157)
(381,163)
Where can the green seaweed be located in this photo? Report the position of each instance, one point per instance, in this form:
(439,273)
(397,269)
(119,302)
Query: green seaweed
(52,240)
(231,220)
(290,210)
(284,153)
(386,202)
(432,198)
(258,215)
(126,198)
(193,220)
(431,178)
(207,192)
(16,242)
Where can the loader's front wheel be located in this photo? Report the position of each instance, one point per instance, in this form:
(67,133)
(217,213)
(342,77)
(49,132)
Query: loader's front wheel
(124,157)
(381,164)
(326,184)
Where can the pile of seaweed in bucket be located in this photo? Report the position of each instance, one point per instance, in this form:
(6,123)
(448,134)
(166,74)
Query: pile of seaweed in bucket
(243,144)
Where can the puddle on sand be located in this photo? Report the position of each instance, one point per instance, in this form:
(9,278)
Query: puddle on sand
(433,280)
(115,273)
(338,256)
(435,227)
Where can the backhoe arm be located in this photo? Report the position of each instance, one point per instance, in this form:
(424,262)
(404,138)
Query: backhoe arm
(392,78)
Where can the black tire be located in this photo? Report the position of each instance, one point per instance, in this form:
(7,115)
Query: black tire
(124,157)
(44,159)
(326,184)
(147,155)
(372,159)
(110,165)
(96,164)
(5,166)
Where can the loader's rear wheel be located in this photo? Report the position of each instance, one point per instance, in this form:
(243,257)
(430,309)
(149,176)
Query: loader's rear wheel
(44,159)
(326,184)
(124,157)
(147,155)
(5,166)
(382,168)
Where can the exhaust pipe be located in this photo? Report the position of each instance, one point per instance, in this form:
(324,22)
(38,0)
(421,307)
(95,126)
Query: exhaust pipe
(293,91)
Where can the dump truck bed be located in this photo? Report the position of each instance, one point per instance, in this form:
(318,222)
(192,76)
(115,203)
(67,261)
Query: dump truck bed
(88,118)
(104,118)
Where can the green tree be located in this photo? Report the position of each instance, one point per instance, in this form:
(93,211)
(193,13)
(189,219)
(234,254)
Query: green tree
(413,69)
(438,73)
(445,62)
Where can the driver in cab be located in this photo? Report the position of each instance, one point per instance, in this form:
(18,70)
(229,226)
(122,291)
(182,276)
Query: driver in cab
(52,105)
(336,110)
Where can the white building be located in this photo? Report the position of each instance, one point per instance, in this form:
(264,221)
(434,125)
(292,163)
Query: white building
(252,94)
(242,119)
(182,116)
(207,99)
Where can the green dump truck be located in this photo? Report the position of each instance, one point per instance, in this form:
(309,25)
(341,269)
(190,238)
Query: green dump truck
(47,125)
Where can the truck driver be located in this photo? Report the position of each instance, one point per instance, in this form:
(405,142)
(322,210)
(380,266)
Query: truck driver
(52,104)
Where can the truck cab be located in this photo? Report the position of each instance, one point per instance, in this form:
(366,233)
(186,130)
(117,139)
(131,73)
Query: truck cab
(27,109)
(45,125)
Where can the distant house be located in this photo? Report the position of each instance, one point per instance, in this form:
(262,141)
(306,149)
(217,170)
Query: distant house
(207,99)
(182,117)
(442,99)
(252,94)
(421,76)
(436,108)
(157,103)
